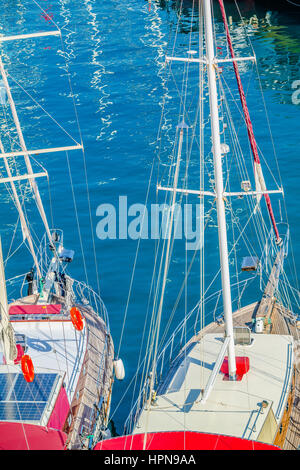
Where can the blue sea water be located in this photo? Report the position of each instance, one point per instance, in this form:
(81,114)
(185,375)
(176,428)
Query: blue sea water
(115,54)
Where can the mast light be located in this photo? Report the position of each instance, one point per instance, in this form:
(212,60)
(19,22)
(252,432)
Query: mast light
(246,185)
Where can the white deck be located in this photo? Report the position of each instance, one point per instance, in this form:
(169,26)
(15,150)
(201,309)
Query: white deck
(54,346)
(232,408)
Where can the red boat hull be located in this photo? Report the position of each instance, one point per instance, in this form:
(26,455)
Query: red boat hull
(180,440)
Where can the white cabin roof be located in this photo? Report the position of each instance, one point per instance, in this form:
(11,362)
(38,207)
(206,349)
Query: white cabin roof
(232,408)
(54,346)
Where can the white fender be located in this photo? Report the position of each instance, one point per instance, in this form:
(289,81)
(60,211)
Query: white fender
(259,325)
(119,369)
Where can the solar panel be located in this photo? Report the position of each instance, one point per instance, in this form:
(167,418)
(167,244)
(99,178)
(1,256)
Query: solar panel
(4,385)
(21,411)
(23,401)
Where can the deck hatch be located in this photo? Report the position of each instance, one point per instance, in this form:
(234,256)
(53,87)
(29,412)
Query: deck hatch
(242,335)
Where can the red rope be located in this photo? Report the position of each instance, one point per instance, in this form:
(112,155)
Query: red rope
(247,115)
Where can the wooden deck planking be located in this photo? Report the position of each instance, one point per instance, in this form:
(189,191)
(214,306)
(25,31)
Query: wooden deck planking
(94,384)
(292,440)
(268,298)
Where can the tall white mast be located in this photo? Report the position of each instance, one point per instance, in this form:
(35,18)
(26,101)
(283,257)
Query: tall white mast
(6,330)
(219,188)
(26,155)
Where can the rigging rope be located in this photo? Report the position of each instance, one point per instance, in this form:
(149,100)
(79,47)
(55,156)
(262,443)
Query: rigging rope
(257,165)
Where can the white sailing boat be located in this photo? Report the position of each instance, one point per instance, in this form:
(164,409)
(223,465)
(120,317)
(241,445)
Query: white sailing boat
(232,383)
(56,353)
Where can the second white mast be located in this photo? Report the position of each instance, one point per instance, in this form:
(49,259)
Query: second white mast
(219,188)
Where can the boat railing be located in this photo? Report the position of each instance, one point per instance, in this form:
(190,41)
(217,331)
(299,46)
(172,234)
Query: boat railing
(251,426)
(172,349)
(81,350)
(77,291)
(85,295)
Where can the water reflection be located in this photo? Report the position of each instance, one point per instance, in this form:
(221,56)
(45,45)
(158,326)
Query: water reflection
(272,28)
(245,6)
